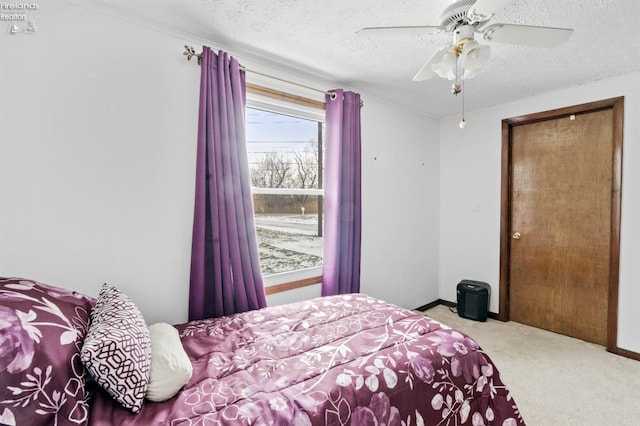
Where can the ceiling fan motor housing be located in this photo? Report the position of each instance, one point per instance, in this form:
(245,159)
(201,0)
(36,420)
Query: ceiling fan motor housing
(463,32)
(456,14)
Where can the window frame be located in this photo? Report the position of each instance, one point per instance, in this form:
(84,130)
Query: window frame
(271,100)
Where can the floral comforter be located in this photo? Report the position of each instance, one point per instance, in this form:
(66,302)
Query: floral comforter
(340,360)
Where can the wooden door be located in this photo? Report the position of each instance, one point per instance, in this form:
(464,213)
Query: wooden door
(562,223)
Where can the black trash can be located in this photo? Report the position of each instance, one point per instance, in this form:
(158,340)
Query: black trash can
(473,299)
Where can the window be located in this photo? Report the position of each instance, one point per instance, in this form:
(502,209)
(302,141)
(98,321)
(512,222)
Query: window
(286,164)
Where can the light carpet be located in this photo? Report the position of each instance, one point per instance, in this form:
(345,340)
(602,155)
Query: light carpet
(555,379)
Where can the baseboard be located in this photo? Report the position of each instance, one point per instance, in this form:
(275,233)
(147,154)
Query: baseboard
(618,351)
(450,304)
(428,306)
(628,354)
(447,303)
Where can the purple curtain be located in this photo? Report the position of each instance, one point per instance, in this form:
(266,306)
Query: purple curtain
(225,266)
(341,261)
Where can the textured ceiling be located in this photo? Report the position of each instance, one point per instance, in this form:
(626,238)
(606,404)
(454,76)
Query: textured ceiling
(320,36)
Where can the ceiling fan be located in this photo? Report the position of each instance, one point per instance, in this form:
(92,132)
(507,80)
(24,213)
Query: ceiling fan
(464,19)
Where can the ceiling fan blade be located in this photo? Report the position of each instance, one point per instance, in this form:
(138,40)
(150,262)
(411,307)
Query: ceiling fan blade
(426,72)
(526,35)
(399,31)
(483,10)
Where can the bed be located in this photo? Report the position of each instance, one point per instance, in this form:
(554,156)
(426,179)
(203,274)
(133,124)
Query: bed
(339,360)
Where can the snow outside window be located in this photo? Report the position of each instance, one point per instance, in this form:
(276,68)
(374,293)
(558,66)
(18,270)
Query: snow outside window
(286,164)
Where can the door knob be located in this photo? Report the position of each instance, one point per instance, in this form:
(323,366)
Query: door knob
(516,236)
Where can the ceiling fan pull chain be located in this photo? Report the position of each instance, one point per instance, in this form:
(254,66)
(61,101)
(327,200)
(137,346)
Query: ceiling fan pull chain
(462,123)
(455,87)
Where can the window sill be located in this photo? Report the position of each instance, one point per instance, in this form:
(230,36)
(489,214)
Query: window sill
(279,288)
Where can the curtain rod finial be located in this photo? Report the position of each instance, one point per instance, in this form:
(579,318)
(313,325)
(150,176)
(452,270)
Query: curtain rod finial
(190,52)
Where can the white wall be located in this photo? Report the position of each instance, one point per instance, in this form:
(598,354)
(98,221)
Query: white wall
(470,194)
(400,216)
(97,157)
(98,121)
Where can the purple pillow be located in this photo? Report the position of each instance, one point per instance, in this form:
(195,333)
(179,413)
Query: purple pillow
(41,332)
(117,349)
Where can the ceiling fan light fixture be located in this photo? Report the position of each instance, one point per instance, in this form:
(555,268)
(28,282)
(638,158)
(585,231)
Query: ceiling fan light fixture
(465,58)
(446,67)
(426,72)
(473,58)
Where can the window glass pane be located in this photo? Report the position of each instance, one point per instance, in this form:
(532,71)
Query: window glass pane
(285,157)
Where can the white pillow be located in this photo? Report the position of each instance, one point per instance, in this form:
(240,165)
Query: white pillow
(170,366)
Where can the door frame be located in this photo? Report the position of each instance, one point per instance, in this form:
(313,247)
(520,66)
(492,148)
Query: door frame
(617,106)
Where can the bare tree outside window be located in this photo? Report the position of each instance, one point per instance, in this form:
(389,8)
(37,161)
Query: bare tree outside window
(306,170)
(285,164)
(273,170)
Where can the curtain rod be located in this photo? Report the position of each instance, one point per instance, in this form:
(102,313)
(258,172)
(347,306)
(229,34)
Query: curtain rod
(190,52)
